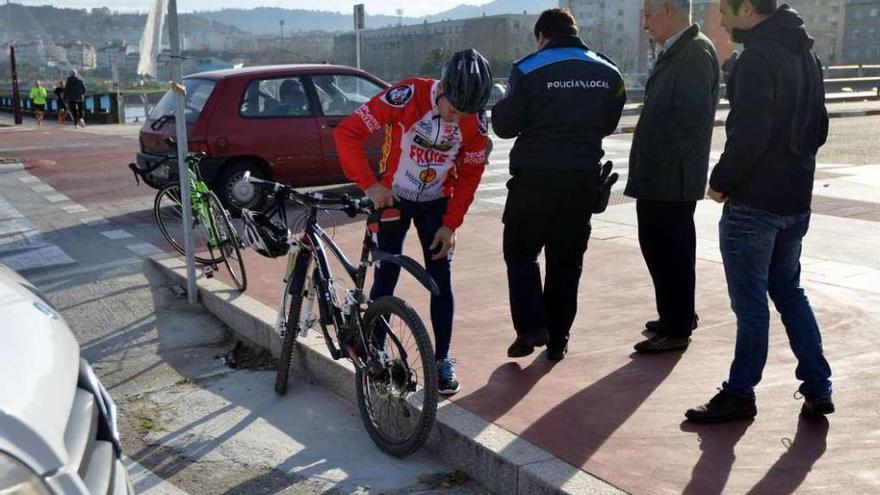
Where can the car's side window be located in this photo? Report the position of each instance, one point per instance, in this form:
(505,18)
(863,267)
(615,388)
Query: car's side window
(275,98)
(340,95)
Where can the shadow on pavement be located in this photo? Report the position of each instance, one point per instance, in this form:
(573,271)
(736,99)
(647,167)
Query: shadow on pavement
(577,427)
(717,442)
(792,468)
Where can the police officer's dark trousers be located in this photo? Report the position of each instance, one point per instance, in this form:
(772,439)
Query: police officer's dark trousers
(547,210)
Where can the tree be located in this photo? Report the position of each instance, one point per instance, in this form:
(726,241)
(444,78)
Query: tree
(435,59)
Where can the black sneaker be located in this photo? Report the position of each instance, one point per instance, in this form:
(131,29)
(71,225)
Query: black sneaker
(447,382)
(817,407)
(722,408)
(525,344)
(556,353)
(662,343)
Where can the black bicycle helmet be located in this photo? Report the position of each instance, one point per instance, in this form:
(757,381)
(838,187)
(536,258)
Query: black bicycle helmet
(266,237)
(467,81)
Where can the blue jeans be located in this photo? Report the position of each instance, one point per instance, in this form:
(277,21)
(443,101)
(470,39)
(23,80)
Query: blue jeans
(761,253)
(428,218)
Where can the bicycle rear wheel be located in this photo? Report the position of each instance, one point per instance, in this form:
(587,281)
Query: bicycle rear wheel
(399,404)
(228,242)
(291,305)
(168,211)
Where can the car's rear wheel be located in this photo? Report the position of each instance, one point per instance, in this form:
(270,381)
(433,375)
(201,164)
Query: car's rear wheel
(235,193)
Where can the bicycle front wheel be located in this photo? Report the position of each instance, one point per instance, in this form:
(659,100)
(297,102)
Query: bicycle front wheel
(227,241)
(398,404)
(168,211)
(291,306)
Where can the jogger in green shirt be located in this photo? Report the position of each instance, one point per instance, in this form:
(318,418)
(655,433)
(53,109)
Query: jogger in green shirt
(38,97)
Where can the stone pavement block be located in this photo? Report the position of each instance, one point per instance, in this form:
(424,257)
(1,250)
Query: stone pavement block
(10,167)
(38,258)
(57,198)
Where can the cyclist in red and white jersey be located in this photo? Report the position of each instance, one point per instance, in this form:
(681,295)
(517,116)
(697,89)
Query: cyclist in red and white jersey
(432,162)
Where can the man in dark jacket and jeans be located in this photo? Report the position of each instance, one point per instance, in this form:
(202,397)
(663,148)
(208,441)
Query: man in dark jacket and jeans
(74,95)
(563,100)
(668,164)
(765,177)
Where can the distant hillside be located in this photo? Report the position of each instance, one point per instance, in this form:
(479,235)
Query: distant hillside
(496,7)
(264,20)
(95,26)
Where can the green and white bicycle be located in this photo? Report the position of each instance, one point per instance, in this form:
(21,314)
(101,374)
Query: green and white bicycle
(214,237)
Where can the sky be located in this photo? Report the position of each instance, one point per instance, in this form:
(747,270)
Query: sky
(411,8)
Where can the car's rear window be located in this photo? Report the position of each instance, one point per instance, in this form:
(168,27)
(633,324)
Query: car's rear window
(197,93)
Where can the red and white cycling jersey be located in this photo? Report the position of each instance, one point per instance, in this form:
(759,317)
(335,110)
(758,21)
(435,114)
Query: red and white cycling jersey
(423,158)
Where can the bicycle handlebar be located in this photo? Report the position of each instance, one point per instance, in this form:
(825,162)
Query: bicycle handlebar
(316,199)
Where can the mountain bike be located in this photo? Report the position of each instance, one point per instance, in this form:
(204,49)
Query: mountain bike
(395,374)
(211,226)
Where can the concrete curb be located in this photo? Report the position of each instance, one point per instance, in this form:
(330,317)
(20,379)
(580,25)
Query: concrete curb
(499,460)
(6,168)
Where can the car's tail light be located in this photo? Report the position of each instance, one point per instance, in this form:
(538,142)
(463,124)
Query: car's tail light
(198,147)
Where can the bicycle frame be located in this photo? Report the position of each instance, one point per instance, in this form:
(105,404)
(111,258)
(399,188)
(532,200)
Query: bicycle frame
(342,314)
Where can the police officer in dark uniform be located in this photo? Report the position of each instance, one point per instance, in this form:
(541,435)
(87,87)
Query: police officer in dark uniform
(562,101)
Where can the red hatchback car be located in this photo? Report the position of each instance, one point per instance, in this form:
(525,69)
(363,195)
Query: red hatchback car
(275,121)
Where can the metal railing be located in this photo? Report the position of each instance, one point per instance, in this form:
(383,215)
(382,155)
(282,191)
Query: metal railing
(100,108)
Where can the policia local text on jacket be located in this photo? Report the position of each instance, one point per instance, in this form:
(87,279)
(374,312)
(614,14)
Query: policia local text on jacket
(562,101)
(668,166)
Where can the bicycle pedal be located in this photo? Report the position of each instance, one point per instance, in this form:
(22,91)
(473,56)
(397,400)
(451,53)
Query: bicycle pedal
(209,272)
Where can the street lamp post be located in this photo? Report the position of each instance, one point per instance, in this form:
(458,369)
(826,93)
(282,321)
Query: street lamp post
(16,97)
(358,26)
(182,149)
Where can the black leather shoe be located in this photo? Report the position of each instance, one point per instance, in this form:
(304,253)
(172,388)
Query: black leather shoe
(556,354)
(655,326)
(722,408)
(525,344)
(663,343)
(817,407)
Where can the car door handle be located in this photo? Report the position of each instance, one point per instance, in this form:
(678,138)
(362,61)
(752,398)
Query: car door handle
(333,123)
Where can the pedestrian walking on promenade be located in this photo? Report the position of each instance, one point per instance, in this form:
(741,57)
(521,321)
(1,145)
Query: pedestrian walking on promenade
(74,95)
(668,165)
(59,100)
(435,154)
(38,97)
(562,101)
(777,123)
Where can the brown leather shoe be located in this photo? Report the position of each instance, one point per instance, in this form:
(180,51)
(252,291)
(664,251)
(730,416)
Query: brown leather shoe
(525,344)
(663,343)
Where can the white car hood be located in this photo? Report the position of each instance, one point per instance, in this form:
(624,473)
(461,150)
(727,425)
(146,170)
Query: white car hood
(39,368)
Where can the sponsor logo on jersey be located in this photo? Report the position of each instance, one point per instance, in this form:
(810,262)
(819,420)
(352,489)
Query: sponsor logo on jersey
(368,119)
(426,143)
(474,157)
(428,176)
(398,96)
(386,149)
(421,156)
(578,84)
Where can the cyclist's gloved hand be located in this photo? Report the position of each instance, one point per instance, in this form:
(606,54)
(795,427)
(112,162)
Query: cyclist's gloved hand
(381,196)
(444,239)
